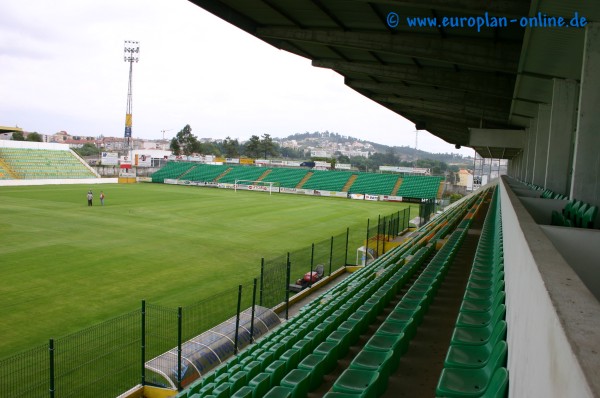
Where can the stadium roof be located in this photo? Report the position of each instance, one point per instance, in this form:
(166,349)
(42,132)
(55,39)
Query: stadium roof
(446,80)
(6,129)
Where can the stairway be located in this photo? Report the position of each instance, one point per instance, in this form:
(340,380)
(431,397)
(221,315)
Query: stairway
(187,172)
(8,169)
(263,175)
(349,183)
(304,179)
(440,190)
(223,174)
(397,186)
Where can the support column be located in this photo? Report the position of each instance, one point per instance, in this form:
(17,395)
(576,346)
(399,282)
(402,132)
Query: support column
(563,117)
(531,150)
(541,145)
(585,183)
(525,155)
(516,169)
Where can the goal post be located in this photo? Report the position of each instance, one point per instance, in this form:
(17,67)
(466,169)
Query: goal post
(266,186)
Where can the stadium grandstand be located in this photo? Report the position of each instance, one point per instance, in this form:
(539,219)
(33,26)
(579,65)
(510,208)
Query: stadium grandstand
(303,180)
(522,92)
(496,296)
(29,161)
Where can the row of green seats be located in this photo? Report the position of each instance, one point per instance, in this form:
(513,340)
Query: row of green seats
(576,214)
(475,362)
(369,371)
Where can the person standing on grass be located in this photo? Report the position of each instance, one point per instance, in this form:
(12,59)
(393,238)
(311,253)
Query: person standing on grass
(102,198)
(90,197)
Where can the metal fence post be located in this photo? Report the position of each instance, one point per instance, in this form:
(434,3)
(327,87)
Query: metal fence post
(385,237)
(51,354)
(330,255)
(253,310)
(179,327)
(287,287)
(143,342)
(262,275)
(237,320)
(347,241)
(377,236)
(312,264)
(367,243)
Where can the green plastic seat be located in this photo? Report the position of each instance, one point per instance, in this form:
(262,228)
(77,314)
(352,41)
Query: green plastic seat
(396,327)
(265,359)
(315,364)
(478,335)
(316,336)
(342,339)
(498,384)
(362,318)
(388,343)
(237,380)
(379,361)
(279,392)
(277,369)
(197,385)
(298,380)
(223,390)
(352,326)
(481,319)
(471,382)
(470,356)
(277,349)
(291,357)
(588,218)
(244,392)
(330,351)
(260,384)
(482,305)
(304,346)
(252,369)
(578,217)
(288,340)
(360,382)
(207,389)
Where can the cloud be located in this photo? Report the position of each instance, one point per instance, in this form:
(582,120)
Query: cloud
(62,63)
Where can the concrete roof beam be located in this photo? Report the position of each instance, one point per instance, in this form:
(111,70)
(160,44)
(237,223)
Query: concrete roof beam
(458,108)
(509,8)
(466,51)
(473,81)
(431,93)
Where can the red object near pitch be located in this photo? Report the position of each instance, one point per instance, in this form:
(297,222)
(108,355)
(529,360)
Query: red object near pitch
(311,276)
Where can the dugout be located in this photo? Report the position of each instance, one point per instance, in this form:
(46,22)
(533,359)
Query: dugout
(208,350)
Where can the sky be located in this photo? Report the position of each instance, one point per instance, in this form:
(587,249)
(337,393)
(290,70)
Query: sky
(62,68)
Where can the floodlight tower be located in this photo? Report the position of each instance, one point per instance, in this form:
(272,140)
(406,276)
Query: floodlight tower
(132,51)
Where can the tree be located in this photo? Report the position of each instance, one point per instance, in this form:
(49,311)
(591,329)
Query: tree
(268,147)
(185,142)
(343,159)
(34,137)
(18,136)
(231,147)
(88,149)
(211,149)
(253,147)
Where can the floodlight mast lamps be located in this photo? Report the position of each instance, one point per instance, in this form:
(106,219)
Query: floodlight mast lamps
(132,51)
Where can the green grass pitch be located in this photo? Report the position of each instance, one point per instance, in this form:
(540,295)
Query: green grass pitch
(66,266)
